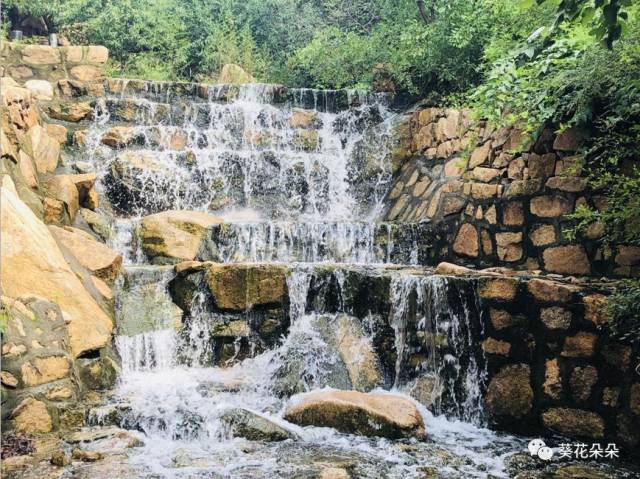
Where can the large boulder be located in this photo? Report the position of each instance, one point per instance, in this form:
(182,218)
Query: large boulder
(34,265)
(98,258)
(352,412)
(242,286)
(174,236)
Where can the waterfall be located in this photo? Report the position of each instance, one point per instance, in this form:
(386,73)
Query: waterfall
(298,176)
(447,313)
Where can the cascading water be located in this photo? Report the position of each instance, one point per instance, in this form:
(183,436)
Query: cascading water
(312,167)
(299,176)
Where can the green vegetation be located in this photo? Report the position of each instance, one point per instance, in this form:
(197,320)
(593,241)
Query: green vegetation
(624,309)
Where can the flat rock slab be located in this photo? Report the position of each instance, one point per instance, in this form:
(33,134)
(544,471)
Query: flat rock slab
(255,427)
(367,414)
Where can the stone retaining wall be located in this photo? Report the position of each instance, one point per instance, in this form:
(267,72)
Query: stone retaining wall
(551,366)
(498,197)
(49,72)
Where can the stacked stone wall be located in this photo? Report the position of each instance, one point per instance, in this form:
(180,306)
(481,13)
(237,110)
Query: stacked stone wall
(500,198)
(552,366)
(55,71)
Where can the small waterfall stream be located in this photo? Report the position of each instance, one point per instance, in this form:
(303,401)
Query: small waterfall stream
(299,177)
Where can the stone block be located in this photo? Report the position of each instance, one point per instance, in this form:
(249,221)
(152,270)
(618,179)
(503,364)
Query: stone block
(502,289)
(570,259)
(581,345)
(509,392)
(543,235)
(550,206)
(466,242)
(509,246)
(555,317)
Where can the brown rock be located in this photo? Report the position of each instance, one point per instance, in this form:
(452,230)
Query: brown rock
(570,259)
(543,235)
(58,393)
(73,112)
(120,136)
(491,215)
(301,118)
(574,422)
(87,73)
(40,55)
(480,155)
(509,392)
(628,255)
(552,379)
(43,149)
(550,206)
(515,170)
(25,164)
(99,259)
(59,132)
(8,379)
(581,345)
(569,140)
(481,191)
(353,412)
(509,246)
(504,289)
(32,417)
(486,175)
(425,138)
(541,166)
(44,370)
(501,319)
(582,381)
(242,286)
(97,54)
(450,269)
(454,167)
(175,235)
(63,188)
(595,309)
(53,211)
(549,291)
(496,346)
(570,184)
(59,458)
(513,214)
(102,287)
(33,265)
(86,456)
(452,205)
(466,242)
(555,317)
(487,245)
(523,188)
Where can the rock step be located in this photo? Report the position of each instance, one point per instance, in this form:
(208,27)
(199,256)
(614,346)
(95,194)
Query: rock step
(321,100)
(175,236)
